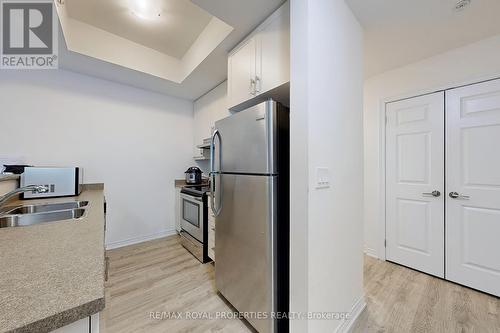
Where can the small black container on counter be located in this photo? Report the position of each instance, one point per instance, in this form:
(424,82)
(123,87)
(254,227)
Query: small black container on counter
(14,168)
(193,176)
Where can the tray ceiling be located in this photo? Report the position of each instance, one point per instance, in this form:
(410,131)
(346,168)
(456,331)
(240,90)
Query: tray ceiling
(172,28)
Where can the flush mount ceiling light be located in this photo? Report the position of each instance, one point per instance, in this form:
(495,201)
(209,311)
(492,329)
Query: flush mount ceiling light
(462,4)
(145,9)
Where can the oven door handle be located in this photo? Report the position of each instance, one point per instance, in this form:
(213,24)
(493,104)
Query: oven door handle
(213,173)
(190,198)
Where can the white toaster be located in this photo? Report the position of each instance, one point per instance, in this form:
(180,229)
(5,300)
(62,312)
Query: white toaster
(61,182)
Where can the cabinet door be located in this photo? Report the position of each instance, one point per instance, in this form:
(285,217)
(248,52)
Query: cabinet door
(273,56)
(80,326)
(241,73)
(178,209)
(211,231)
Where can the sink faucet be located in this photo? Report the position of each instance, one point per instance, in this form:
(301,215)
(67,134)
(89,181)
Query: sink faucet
(30,188)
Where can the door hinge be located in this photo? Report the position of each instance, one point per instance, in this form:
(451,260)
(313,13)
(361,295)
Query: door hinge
(385,242)
(386,119)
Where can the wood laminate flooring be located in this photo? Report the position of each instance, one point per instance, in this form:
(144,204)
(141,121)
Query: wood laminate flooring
(403,300)
(151,280)
(161,276)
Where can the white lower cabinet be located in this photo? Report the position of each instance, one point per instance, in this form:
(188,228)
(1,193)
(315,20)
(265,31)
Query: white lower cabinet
(178,209)
(211,231)
(94,323)
(85,325)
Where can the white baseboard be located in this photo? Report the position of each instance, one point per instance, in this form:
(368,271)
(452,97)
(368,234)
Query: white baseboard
(347,325)
(371,252)
(140,239)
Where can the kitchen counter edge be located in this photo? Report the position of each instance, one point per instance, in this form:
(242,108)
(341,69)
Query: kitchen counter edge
(80,311)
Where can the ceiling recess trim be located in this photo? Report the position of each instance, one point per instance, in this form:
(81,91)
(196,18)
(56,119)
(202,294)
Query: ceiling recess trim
(91,41)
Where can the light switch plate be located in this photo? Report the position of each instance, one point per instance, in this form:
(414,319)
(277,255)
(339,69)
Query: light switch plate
(322,178)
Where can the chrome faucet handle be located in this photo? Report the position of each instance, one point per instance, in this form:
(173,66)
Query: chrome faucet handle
(33,188)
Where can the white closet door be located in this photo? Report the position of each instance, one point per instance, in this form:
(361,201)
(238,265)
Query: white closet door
(414,170)
(473,186)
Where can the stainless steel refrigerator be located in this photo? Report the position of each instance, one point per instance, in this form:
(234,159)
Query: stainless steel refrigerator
(250,193)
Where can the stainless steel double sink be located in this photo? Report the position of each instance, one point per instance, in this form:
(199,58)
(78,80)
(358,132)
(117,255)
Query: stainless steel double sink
(26,215)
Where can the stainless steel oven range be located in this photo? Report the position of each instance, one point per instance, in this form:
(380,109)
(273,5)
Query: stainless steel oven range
(194,228)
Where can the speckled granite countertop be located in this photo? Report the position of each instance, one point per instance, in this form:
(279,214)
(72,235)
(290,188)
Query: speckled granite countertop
(52,274)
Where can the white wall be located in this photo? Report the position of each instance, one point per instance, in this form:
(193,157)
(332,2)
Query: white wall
(207,110)
(326,131)
(460,66)
(299,185)
(136,142)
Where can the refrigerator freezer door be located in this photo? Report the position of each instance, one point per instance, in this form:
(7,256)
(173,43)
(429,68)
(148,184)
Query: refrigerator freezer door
(247,141)
(245,235)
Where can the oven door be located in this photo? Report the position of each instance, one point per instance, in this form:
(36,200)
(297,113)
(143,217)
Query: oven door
(192,216)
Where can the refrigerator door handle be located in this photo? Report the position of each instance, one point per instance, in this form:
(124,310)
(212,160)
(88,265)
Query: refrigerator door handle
(212,198)
(213,173)
(212,150)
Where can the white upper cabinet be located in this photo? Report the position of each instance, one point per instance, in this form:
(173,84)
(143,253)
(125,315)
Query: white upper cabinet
(262,61)
(242,71)
(273,53)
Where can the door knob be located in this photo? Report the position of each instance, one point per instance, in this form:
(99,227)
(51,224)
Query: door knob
(456,195)
(434,193)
